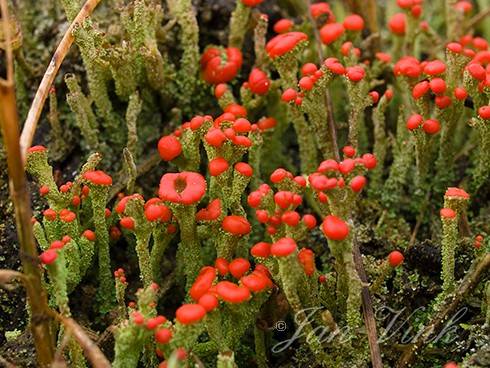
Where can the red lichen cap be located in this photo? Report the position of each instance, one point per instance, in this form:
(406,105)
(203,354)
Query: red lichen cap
(414,121)
(431,126)
(244,169)
(291,218)
(283,43)
(397,23)
(137,318)
(278,175)
(189,314)
(321,8)
(383,57)
(283,25)
(98,177)
(256,281)
(48,257)
(240,125)
(218,166)
(251,3)
(67,215)
(236,225)
(309,221)
(306,258)
(354,23)
(408,66)
(266,123)
(357,183)
(219,91)
(127,223)
(420,89)
(258,82)
(169,147)
(211,212)
(50,214)
(186,187)
(236,110)
(335,228)
(434,67)
(38,148)
(57,244)
(163,335)
(437,85)
(334,66)
(460,93)
(457,193)
(477,71)
(89,235)
(238,267)
(154,212)
(221,265)
(355,73)
(220,66)
(232,293)
(43,190)
(447,213)
(308,69)
(203,282)
(261,249)
(395,258)
(331,32)
(450,365)
(484,112)
(347,48)
(209,302)
(455,47)
(121,205)
(215,137)
(283,247)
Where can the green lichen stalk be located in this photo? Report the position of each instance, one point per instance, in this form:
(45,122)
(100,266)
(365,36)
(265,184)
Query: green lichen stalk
(105,292)
(238,24)
(289,283)
(184,13)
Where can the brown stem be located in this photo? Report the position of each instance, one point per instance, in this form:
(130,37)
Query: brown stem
(90,349)
(368,312)
(448,306)
(477,19)
(9,122)
(7,276)
(372,16)
(49,76)
(328,98)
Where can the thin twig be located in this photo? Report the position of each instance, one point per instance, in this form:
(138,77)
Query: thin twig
(59,359)
(49,76)
(7,276)
(477,19)
(367,309)
(328,98)
(449,306)
(90,349)
(9,122)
